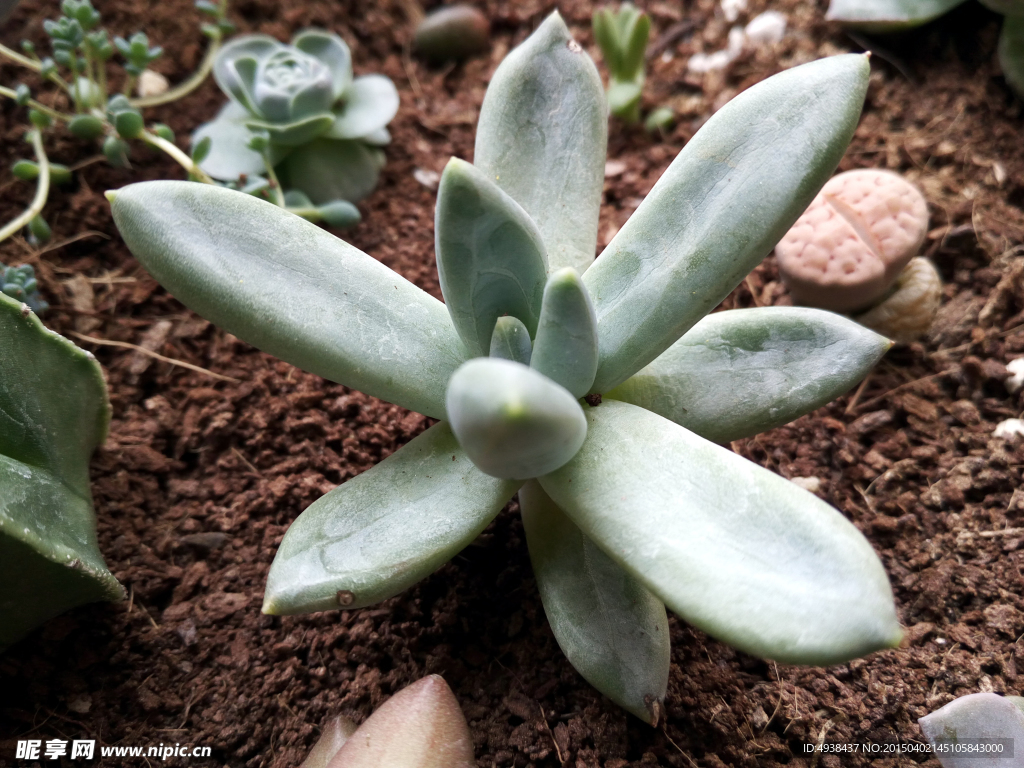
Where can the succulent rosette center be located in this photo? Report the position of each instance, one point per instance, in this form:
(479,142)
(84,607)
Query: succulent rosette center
(291,84)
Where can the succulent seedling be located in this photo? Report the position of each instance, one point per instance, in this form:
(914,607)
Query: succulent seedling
(980,730)
(622,36)
(81,53)
(897,15)
(21,285)
(850,251)
(421,726)
(628,505)
(297,116)
(452,33)
(53,414)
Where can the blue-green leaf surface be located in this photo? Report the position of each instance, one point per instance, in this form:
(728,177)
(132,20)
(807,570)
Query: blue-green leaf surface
(745,371)
(368,105)
(612,630)
(737,551)
(292,289)
(512,421)
(332,169)
(332,51)
(726,200)
(887,15)
(490,256)
(296,133)
(229,156)
(958,729)
(566,346)
(511,341)
(386,529)
(234,68)
(542,137)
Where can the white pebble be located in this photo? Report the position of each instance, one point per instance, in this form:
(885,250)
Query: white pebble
(706,62)
(812,484)
(733,8)
(429,179)
(1015,381)
(766,28)
(151,84)
(1009,429)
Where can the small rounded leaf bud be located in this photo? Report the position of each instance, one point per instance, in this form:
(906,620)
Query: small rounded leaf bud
(26,170)
(40,229)
(39,119)
(340,214)
(86,127)
(22,94)
(129,124)
(116,151)
(452,33)
(163,131)
(852,242)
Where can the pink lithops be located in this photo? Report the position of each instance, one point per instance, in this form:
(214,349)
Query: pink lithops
(852,242)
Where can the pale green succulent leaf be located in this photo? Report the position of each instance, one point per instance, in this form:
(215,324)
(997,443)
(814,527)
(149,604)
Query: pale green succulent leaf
(968,720)
(565,349)
(744,371)
(332,51)
(378,138)
(382,531)
(512,421)
(297,132)
(606,34)
(235,78)
(229,156)
(511,341)
(1011,52)
(612,630)
(624,97)
(369,104)
(887,15)
(726,200)
(542,137)
(490,255)
(53,414)
(331,169)
(293,290)
(739,552)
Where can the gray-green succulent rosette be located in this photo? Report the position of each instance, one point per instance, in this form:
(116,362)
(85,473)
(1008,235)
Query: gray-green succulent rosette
(324,126)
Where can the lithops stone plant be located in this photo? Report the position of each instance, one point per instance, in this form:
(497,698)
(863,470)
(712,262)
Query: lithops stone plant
(854,248)
(320,129)
(627,503)
(53,414)
(980,730)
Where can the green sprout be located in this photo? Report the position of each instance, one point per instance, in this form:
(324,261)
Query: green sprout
(597,390)
(21,285)
(622,36)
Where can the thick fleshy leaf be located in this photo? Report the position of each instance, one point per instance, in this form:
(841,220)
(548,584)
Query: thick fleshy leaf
(368,105)
(737,551)
(512,421)
(1011,52)
(335,733)
(229,156)
(328,169)
(744,371)
(237,81)
(332,51)
(490,255)
(296,133)
(381,532)
(566,346)
(726,200)
(53,414)
(542,137)
(624,98)
(511,341)
(292,289)
(421,726)
(612,630)
(887,15)
(968,720)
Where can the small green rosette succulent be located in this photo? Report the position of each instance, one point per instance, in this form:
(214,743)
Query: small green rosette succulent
(628,503)
(324,127)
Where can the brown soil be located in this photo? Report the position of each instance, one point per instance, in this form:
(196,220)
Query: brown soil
(201,476)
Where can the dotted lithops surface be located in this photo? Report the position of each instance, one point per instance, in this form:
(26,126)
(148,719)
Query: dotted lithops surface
(851,243)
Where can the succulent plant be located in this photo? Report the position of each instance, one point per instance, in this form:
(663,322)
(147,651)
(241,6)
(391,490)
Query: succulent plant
(628,505)
(21,285)
(897,15)
(53,414)
(980,730)
(323,128)
(853,250)
(452,33)
(622,36)
(421,726)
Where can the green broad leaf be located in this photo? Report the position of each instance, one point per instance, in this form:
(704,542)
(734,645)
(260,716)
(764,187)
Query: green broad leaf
(490,255)
(331,169)
(229,156)
(739,552)
(565,349)
(53,414)
(511,341)
(1011,52)
(381,532)
(726,200)
(636,32)
(297,133)
(326,306)
(332,51)
(613,631)
(542,137)
(741,372)
(368,105)
(887,15)
(512,421)
(234,67)
(968,720)
(624,98)
(606,34)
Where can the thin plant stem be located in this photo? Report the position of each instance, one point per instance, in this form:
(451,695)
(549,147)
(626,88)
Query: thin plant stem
(32,64)
(129,84)
(179,157)
(274,183)
(187,86)
(37,105)
(42,188)
(309,214)
(101,76)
